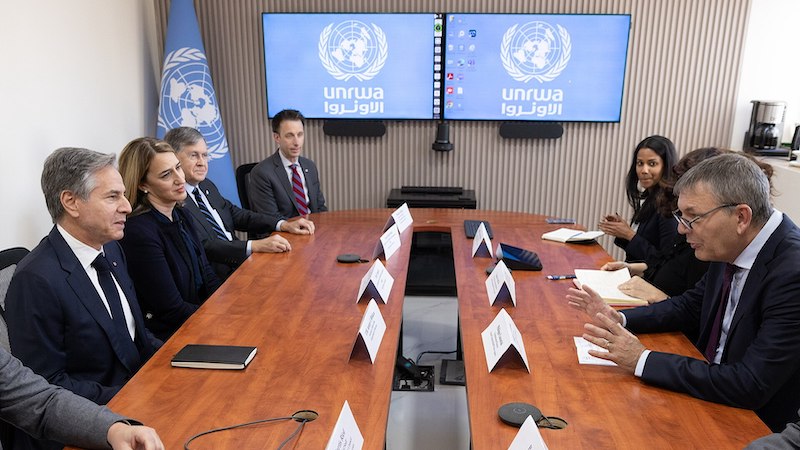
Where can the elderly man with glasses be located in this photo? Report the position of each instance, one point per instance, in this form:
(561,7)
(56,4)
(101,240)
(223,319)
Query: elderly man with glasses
(745,311)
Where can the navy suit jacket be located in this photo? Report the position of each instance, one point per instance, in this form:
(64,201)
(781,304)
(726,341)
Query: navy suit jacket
(271,192)
(226,256)
(162,271)
(760,365)
(59,327)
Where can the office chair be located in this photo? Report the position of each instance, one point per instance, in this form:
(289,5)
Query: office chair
(242,180)
(8,263)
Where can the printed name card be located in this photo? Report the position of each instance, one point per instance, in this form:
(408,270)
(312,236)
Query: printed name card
(481,244)
(402,217)
(388,243)
(371,330)
(500,337)
(500,284)
(528,437)
(377,283)
(345,435)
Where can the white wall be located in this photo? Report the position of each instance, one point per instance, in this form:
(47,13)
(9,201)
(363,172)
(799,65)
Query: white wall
(770,66)
(76,73)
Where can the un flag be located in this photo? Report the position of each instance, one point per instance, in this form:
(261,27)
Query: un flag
(187,94)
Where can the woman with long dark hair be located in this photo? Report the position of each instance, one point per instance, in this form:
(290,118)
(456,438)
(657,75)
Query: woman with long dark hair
(649,231)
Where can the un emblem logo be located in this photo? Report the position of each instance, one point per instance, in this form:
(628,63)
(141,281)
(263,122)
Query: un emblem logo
(352,49)
(535,50)
(188,98)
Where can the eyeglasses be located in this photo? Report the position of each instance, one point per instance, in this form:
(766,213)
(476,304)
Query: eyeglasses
(688,223)
(195,156)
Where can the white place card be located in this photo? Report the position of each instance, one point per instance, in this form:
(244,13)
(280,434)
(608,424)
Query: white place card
(500,284)
(377,282)
(402,217)
(582,346)
(371,330)
(345,435)
(388,243)
(481,244)
(528,437)
(501,336)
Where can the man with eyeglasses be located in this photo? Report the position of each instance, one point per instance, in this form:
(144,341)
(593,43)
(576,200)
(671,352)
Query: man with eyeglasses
(745,311)
(218,217)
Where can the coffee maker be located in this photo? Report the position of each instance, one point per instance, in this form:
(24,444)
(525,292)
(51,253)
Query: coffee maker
(766,129)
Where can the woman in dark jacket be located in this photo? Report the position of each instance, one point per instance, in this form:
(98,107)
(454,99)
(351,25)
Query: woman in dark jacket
(649,231)
(166,260)
(673,270)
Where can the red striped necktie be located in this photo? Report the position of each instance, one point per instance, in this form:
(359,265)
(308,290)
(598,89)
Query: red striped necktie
(299,192)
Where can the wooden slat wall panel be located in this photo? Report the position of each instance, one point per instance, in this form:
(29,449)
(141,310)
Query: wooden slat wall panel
(682,74)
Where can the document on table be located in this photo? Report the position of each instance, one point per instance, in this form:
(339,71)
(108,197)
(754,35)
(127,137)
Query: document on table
(569,235)
(606,284)
(583,346)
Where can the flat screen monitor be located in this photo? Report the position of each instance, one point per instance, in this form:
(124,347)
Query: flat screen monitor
(353,66)
(535,67)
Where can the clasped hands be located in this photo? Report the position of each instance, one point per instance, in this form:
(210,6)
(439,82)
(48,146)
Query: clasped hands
(607,331)
(614,225)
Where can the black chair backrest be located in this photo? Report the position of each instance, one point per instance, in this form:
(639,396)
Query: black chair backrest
(242,180)
(12,256)
(8,258)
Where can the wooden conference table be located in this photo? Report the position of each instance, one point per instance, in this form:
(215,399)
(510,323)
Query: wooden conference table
(300,310)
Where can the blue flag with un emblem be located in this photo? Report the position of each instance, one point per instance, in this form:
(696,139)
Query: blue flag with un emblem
(187,94)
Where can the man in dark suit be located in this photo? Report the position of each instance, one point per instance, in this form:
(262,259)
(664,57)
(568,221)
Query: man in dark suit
(286,184)
(218,217)
(72,311)
(745,311)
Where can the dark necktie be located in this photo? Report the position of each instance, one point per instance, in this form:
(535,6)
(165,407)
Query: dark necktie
(207,214)
(123,337)
(716,326)
(299,193)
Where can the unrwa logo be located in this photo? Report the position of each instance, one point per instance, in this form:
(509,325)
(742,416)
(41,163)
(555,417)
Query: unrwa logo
(535,50)
(352,49)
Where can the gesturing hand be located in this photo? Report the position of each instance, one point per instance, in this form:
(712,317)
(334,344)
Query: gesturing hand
(588,301)
(623,346)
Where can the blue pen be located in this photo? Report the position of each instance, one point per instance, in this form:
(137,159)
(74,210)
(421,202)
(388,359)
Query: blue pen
(560,277)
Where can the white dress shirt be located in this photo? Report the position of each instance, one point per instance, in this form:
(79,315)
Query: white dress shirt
(86,255)
(288,166)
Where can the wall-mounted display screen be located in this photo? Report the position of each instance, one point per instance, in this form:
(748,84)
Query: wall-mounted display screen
(354,66)
(534,67)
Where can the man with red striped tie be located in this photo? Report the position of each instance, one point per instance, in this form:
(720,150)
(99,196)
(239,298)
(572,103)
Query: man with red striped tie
(286,184)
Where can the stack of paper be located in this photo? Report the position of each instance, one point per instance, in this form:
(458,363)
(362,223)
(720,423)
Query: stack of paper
(570,235)
(606,284)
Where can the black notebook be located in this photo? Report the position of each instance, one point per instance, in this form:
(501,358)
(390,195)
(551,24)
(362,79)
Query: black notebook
(199,356)
(471,227)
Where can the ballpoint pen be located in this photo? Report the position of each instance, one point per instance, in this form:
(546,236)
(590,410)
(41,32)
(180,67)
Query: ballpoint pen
(560,277)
